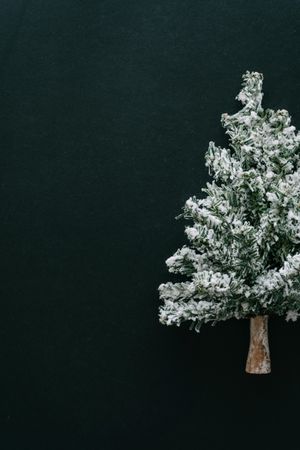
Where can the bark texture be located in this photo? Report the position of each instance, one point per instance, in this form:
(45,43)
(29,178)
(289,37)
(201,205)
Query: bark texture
(258,361)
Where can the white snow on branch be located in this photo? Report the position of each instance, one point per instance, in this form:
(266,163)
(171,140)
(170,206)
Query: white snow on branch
(243,253)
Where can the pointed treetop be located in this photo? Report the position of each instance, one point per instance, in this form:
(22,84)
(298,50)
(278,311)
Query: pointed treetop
(251,94)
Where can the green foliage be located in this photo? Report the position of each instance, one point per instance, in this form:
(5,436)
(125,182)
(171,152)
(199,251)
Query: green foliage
(243,256)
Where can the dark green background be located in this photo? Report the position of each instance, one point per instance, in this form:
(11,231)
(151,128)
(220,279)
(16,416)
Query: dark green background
(107,108)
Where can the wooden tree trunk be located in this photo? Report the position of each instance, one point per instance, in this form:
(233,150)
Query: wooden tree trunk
(258,361)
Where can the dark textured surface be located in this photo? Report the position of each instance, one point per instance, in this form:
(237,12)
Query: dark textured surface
(106,110)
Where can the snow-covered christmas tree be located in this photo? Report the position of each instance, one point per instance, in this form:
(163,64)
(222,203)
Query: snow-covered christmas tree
(243,254)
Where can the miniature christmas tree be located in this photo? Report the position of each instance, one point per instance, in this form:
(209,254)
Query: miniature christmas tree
(243,257)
